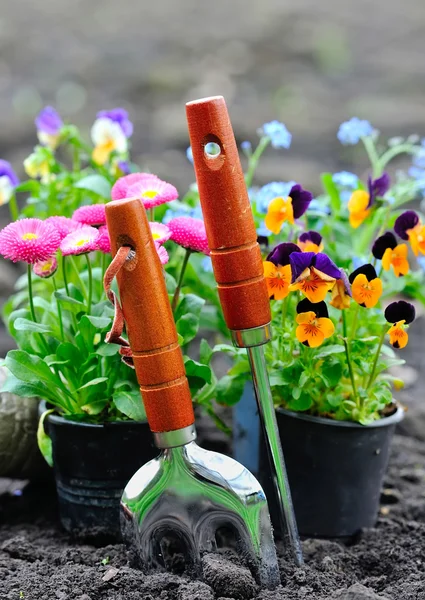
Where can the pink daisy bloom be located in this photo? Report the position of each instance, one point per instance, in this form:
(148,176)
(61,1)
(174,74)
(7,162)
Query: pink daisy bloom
(30,240)
(120,187)
(160,232)
(80,241)
(63,225)
(189,233)
(162,253)
(153,192)
(104,241)
(94,214)
(46,268)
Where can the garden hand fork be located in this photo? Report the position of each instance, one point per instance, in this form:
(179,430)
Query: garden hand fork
(187,494)
(238,270)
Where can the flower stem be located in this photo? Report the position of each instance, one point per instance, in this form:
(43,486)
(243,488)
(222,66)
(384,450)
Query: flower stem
(349,363)
(103,267)
(285,311)
(395,151)
(32,309)
(151,214)
(90,274)
(59,310)
(180,282)
(254,158)
(373,156)
(13,207)
(80,281)
(378,352)
(65,280)
(354,324)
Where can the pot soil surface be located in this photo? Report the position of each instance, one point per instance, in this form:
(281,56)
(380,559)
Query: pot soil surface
(39,562)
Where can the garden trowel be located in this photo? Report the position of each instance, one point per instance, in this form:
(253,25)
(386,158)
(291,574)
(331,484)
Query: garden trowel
(238,270)
(187,497)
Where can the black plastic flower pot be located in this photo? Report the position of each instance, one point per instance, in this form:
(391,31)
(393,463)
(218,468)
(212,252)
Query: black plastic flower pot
(92,465)
(335,470)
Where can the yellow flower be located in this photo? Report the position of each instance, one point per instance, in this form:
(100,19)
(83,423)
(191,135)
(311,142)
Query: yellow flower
(365,292)
(340,298)
(279,211)
(312,331)
(37,167)
(313,284)
(277,279)
(398,335)
(358,207)
(107,137)
(397,259)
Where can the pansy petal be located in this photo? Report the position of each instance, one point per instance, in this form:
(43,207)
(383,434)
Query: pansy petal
(323,263)
(398,336)
(319,308)
(405,222)
(300,200)
(281,253)
(388,240)
(326,327)
(400,311)
(309,335)
(300,261)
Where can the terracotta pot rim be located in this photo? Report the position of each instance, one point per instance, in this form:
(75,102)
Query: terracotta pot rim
(395,418)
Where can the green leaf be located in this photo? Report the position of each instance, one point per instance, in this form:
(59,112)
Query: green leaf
(187,327)
(94,381)
(69,353)
(97,184)
(43,440)
(303,379)
(99,322)
(22,324)
(130,404)
(108,349)
(229,390)
(29,368)
(205,352)
(71,303)
(332,191)
(95,408)
(171,283)
(198,374)
(331,373)
(13,385)
(303,402)
(31,186)
(329,350)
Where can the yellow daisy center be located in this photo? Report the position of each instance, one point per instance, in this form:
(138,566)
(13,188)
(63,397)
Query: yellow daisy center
(150,194)
(30,236)
(82,242)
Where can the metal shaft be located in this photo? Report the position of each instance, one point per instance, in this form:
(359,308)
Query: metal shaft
(268,420)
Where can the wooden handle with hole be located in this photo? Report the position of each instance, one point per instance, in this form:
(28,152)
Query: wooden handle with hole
(229,223)
(149,320)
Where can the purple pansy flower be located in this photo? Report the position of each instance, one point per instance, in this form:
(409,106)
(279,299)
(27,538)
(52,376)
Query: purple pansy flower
(120,116)
(406,221)
(6,170)
(300,261)
(378,187)
(48,121)
(300,200)
(279,256)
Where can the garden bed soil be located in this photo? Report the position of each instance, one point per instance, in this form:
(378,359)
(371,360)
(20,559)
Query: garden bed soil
(39,562)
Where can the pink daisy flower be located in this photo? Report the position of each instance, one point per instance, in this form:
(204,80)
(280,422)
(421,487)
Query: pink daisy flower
(30,240)
(80,241)
(63,225)
(104,241)
(120,187)
(153,192)
(162,253)
(189,233)
(46,268)
(94,214)
(160,232)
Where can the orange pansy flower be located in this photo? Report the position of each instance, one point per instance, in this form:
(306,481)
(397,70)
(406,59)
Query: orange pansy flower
(277,279)
(279,211)
(313,284)
(398,335)
(340,298)
(365,292)
(397,259)
(312,330)
(358,207)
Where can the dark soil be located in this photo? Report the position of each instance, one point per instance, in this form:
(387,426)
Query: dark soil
(39,562)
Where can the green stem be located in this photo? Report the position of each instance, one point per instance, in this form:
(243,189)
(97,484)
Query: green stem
(393,152)
(103,267)
(65,280)
(59,310)
(285,311)
(151,214)
(378,352)
(90,274)
(80,281)
(180,282)
(255,157)
(358,402)
(13,207)
(32,308)
(373,156)
(354,324)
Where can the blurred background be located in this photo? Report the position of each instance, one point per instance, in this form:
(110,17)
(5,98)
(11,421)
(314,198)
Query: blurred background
(309,64)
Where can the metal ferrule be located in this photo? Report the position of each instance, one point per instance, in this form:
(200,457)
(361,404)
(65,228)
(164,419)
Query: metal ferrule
(173,439)
(248,338)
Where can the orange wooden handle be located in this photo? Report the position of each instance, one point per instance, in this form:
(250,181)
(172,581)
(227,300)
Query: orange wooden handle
(229,222)
(149,320)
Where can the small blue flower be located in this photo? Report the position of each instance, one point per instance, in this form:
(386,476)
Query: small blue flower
(346,179)
(206,264)
(275,189)
(182,210)
(189,154)
(262,231)
(316,208)
(421,262)
(351,131)
(419,159)
(278,134)
(246,147)
(419,176)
